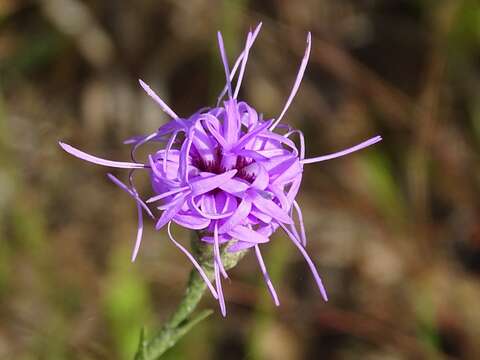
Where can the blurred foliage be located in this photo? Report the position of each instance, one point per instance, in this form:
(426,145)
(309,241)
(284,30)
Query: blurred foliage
(395,229)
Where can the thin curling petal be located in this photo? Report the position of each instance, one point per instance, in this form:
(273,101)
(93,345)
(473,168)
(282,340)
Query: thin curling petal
(270,208)
(250,135)
(309,261)
(191,221)
(138,240)
(298,80)
(157,99)
(169,213)
(263,268)
(237,217)
(168,149)
(99,161)
(139,204)
(216,251)
(246,234)
(139,143)
(194,262)
(223,55)
(218,284)
(131,193)
(360,146)
(195,208)
(303,237)
(244,64)
(302,141)
(237,63)
(167,194)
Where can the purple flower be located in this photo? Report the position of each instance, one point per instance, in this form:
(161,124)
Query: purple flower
(225,172)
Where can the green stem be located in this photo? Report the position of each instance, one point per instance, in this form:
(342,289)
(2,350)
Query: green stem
(181,321)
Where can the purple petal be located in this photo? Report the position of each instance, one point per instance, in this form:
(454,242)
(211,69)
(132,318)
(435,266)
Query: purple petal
(140,143)
(138,240)
(261,176)
(270,208)
(250,135)
(203,143)
(309,261)
(96,160)
(216,251)
(231,124)
(194,262)
(210,121)
(302,141)
(238,216)
(255,155)
(213,216)
(237,63)
(263,268)
(168,149)
(167,194)
(298,80)
(239,246)
(131,193)
(157,99)
(218,283)
(222,239)
(184,153)
(235,186)
(169,213)
(244,233)
(303,237)
(244,63)
(225,203)
(225,62)
(260,215)
(206,184)
(360,146)
(190,221)
(248,115)
(280,139)
(281,197)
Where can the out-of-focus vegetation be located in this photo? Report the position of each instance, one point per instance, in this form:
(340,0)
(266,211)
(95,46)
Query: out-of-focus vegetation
(395,229)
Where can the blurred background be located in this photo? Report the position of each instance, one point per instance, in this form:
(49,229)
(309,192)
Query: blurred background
(394,229)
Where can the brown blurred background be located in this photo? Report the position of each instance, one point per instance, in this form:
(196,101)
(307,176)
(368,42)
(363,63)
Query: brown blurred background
(394,229)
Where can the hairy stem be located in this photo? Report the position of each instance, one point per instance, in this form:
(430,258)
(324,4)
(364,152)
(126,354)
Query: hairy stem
(181,321)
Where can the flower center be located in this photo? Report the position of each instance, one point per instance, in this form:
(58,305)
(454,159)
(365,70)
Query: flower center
(215,166)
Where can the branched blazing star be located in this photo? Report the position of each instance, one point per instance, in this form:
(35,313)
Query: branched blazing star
(225,172)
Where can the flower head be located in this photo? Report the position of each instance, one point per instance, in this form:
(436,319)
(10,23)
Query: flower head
(225,172)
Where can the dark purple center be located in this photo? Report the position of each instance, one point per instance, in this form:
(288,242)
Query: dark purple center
(215,166)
